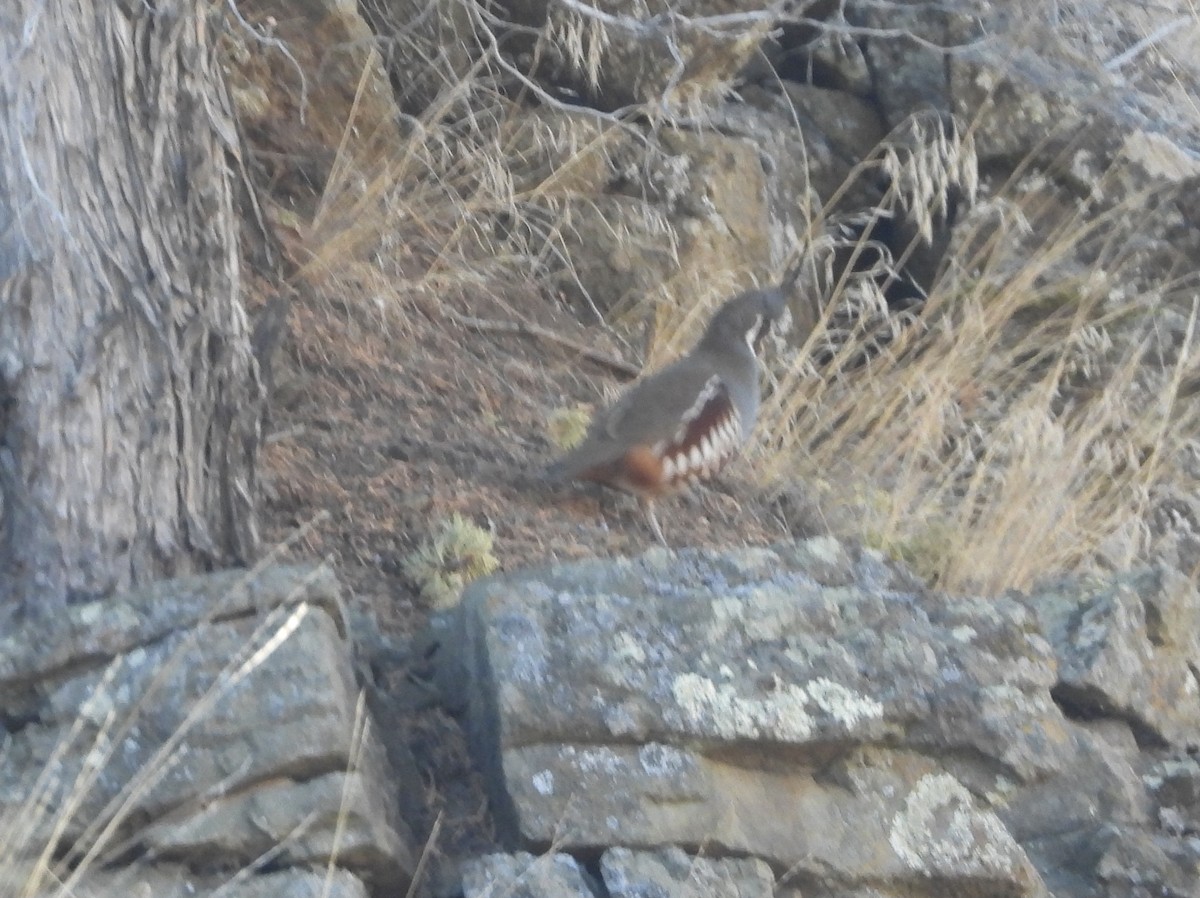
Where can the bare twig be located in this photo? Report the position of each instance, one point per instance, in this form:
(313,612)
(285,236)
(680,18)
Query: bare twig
(1159,34)
(524,329)
(654,23)
(430,843)
(268,40)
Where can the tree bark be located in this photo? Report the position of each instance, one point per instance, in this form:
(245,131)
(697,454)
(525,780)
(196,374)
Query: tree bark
(130,403)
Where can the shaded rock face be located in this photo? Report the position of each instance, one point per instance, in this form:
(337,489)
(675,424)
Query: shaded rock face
(811,708)
(197,726)
(1129,651)
(297,123)
(621,52)
(704,194)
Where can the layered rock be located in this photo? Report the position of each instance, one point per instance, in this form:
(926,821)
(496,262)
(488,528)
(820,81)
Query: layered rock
(810,707)
(209,722)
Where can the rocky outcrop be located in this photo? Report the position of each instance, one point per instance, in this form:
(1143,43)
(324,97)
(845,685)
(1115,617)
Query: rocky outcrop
(163,881)
(700,198)
(799,720)
(669,873)
(201,726)
(1128,650)
(313,86)
(812,708)
(813,91)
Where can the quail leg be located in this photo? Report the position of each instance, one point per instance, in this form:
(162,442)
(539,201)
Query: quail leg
(648,505)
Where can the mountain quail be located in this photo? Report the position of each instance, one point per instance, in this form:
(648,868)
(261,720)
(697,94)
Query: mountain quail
(686,421)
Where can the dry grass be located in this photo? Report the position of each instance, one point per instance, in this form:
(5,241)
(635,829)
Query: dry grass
(1023,429)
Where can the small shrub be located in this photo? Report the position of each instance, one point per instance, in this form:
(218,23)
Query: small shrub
(457,553)
(567,427)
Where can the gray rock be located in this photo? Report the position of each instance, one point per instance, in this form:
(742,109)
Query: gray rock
(1054,70)
(725,220)
(223,732)
(1129,650)
(668,217)
(805,165)
(907,49)
(699,699)
(1102,783)
(1094,829)
(1175,785)
(305,128)
(1091,98)
(337,815)
(852,126)
(1141,863)
(755,650)
(671,873)
(669,220)
(165,881)
(98,631)
(522,875)
(885,818)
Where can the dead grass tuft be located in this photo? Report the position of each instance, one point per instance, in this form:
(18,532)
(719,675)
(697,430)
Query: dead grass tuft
(1022,431)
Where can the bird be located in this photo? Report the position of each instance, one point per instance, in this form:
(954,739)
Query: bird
(686,421)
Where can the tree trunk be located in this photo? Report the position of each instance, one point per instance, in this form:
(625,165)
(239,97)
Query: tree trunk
(130,403)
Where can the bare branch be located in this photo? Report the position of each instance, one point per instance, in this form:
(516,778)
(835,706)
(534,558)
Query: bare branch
(1158,34)
(267,41)
(525,329)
